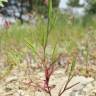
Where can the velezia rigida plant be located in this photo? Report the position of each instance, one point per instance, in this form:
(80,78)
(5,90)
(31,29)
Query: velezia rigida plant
(48,67)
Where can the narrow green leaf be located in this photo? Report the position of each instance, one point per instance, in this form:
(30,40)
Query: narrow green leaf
(49,8)
(54,50)
(72,66)
(29,45)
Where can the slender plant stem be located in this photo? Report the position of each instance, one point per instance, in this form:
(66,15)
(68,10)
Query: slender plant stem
(48,26)
(65,87)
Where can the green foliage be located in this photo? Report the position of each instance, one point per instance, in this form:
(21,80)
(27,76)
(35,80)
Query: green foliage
(91,8)
(74,3)
(40,7)
(1,2)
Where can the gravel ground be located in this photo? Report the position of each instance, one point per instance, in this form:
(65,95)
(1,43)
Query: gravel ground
(13,85)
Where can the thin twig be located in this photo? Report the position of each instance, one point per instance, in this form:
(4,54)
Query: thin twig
(72,86)
(62,91)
